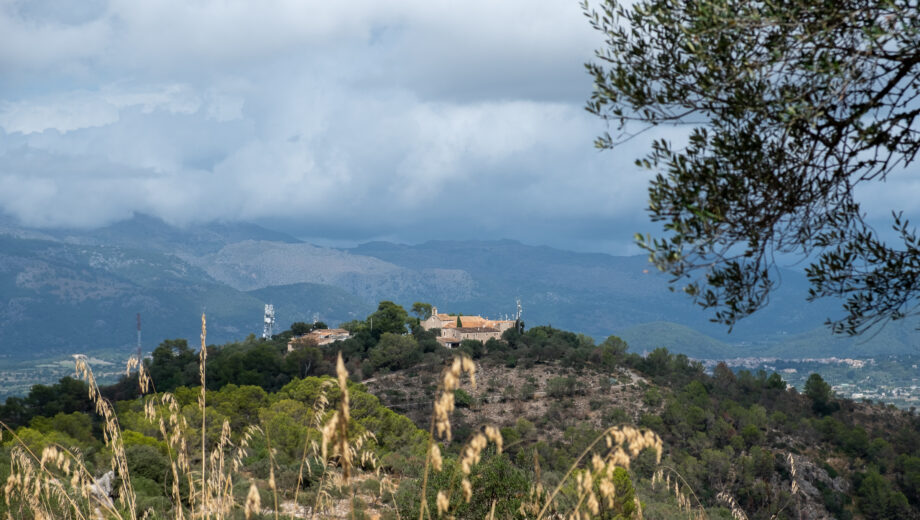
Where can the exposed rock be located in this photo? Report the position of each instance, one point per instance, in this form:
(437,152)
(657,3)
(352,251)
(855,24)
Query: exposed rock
(101,489)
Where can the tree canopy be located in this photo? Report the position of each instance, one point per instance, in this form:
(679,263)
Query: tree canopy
(789,106)
(389,317)
(422,310)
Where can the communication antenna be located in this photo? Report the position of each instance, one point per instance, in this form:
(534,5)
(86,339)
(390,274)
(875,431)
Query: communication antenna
(269,321)
(520,310)
(138,337)
(315,317)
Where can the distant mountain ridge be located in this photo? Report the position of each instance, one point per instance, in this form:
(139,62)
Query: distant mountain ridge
(150,233)
(67,290)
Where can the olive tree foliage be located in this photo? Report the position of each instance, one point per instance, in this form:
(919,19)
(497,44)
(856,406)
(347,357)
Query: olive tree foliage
(788,105)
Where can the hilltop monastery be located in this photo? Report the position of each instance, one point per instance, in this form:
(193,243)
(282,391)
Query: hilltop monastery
(471,327)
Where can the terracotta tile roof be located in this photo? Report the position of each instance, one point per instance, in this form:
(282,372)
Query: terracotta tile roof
(448,321)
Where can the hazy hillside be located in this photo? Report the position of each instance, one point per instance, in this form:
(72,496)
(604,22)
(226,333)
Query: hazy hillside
(252,265)
(676,338)
(67,290)
(900,337)
(65,298)
(61,298)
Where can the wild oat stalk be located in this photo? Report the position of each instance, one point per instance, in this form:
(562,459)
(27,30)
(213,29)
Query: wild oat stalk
(164,411)
(46,494)
(318,410)
(202,366)
(253,502)
(595,483)
(335,433)
(793,488)
(212,493)
(679,485)
(111,435)
(272,483)
(469,457)
(440,420)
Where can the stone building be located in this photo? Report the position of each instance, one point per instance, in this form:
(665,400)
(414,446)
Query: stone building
(471,327)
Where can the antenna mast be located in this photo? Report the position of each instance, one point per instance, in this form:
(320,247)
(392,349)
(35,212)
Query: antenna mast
(518,324)
(269,321)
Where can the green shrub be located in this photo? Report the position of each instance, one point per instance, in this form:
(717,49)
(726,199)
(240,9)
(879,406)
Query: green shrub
(462,399)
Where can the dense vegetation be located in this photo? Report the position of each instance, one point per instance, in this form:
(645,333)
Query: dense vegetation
(745,435)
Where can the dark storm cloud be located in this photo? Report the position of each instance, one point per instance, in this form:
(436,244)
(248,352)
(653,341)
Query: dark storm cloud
(343,121)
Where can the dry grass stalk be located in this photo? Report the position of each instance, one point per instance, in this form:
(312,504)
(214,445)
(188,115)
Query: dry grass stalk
(344,415)
(335,434)
(111,436)
(440,420)
(594,484)
(58,487)
(318,411)
(253,502)
(729,500)
(335,431)
(211,494)
(202,368)
(220,481)
(472,453)
(677,487)
(793,488)
(530,507)
(272,484)
(792,471)
(450,381)
(57,484)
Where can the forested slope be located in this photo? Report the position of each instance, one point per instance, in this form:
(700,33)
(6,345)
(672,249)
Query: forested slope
(776,453)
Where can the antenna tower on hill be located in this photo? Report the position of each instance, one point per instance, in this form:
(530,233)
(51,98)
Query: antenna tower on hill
(269,321)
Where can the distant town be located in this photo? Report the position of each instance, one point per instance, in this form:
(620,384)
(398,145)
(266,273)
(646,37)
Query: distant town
(893,380)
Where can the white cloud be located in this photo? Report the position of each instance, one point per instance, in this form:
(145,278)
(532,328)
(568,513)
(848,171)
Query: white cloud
(366,118)
(68,112)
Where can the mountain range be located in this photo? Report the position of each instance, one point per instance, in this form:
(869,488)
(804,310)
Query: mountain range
(66,291)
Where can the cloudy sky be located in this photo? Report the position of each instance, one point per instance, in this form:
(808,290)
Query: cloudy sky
(335,121)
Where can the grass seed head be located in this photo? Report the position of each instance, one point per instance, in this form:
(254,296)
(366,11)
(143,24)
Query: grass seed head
(253,502)
(467,489)
(442,502)
(495,436)
(729,500)
(436,460)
